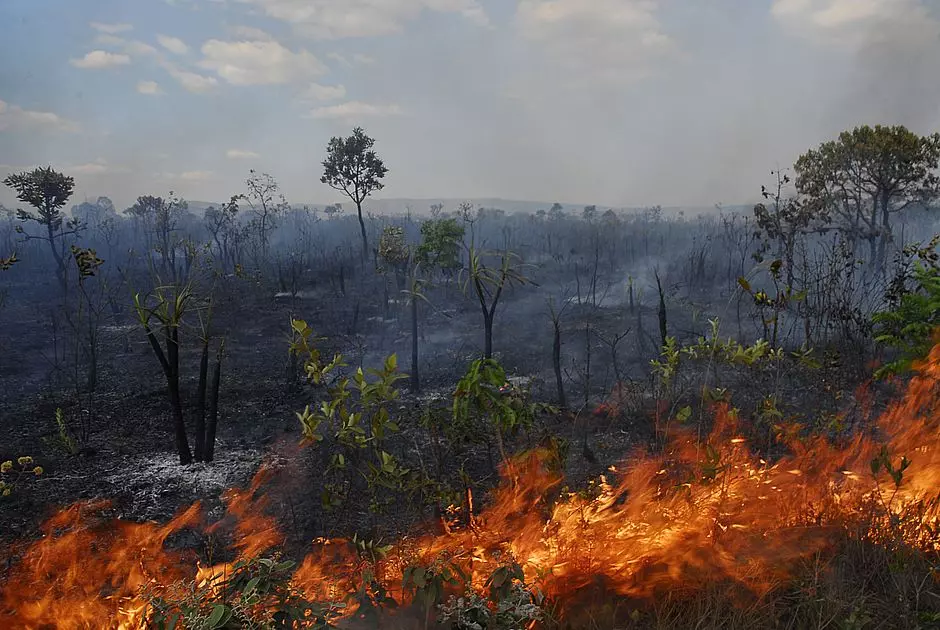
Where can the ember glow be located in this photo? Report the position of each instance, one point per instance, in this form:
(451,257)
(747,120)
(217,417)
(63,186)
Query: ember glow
(699,514)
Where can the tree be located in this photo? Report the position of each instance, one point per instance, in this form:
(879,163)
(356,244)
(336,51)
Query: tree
(440,245)
(395,253)
(857,182)
(352,167)
(782,219)
(47,191)
(333,210)
(488,284)
(162,313)
(160,218)
(267,203)
(222,223)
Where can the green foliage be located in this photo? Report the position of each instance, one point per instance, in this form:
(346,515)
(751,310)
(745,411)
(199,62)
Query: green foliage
(883,462)
(12,473)
(511,605)
(255,593)
(63,439)
(485,394)
(667,366)
(44,189)
(428,585)
(730,351)
(909,326)
(356,412)
(353,167)
(440,244)
(854,182)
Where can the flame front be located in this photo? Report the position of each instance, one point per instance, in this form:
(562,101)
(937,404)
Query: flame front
(696,515)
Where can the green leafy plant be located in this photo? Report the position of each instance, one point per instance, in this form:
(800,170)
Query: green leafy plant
(356,412)
(909,325)
(511,605)
(254,593)
(12,473)
(486,403)
(63,439)
(429,584)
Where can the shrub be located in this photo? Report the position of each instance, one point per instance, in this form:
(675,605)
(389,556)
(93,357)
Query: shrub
(908,326)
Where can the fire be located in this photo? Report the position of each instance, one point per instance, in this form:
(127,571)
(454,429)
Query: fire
(698,514)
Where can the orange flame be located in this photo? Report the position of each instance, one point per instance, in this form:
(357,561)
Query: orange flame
(695,515)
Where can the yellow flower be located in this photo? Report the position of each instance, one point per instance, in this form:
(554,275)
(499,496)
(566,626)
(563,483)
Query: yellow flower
(24,461)
(6,492)
(6,466)
(37,470)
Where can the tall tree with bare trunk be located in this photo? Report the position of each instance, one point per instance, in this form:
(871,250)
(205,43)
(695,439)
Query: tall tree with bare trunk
(353,167)
(47,191)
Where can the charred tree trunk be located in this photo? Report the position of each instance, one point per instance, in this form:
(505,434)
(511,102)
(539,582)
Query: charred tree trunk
(362,231)
(663,333)
(415,379)
(200,415)
(214,406)
(173,385)
(487,334)
(556,364)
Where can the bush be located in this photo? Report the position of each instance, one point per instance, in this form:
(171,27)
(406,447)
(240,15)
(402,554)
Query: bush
(909,325)
(254,593)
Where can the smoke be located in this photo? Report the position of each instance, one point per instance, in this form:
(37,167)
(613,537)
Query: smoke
(627,103)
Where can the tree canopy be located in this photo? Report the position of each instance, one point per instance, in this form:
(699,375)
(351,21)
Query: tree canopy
(353,167)
(855,183)
(44,189)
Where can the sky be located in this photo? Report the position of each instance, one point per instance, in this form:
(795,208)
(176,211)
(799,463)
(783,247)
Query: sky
(619,103)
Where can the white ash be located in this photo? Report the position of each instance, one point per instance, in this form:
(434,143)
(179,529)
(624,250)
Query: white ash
(158,484)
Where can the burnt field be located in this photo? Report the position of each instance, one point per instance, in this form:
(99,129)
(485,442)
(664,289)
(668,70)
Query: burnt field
(580,418)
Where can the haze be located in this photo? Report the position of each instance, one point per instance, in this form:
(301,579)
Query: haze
(611,102)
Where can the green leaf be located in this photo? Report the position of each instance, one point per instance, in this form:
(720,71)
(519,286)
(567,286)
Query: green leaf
(219,616)
(744,283)
(684,414)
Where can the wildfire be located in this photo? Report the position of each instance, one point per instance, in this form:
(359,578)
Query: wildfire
(698,514)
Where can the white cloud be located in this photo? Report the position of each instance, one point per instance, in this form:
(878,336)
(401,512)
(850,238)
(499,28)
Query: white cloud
(615,41)
(354,110)
(857,23)
(97,59)
(139,48)
(258,62)
(15,118)
(130,47)
(111,28)
(148,87)
(361,18)
(241,154)
(317,92)
(363,59)
(174,44)
(106,39)
(250,33)
(191,81)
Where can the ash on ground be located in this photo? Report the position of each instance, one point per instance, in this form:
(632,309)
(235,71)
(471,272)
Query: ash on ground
(155,485)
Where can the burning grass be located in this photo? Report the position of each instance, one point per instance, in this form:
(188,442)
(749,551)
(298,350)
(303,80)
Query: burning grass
(704,534)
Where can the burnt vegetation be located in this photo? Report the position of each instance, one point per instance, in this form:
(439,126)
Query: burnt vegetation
(574,417)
